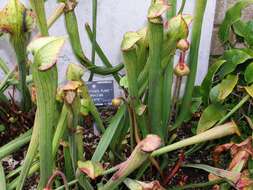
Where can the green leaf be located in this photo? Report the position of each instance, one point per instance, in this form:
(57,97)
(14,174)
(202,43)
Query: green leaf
(211,115)
(229,175)
(232,15)
(233,58)
(249,90)
(221,91)
(248,74)
(108,135)
(46,51)
(2,128)
(207,82)
(245,30)
(2,178)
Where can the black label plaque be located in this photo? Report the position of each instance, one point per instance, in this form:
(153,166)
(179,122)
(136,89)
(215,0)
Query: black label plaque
(102,92)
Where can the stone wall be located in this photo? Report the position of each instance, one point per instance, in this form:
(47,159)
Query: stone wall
(221,7)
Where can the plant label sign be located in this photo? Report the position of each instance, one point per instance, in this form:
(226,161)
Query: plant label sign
(102,92)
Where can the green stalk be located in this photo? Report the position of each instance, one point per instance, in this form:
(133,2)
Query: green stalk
(73,122)
(60,129)
(19,44)
(199,185)
(68,167)
(182,7)
(30,155)
(2,178)
(235,108)
(46,86)
(214,133)
(155,78)
(45,78)
(100,52)
(130,61)
(79,142)
(26,171)
(15,144)
(4,67)
(168,79)
(136,159)
(75,73)
(39,8)
(72,29)
(94,30)
(4,82)
(56,14)
(200,6)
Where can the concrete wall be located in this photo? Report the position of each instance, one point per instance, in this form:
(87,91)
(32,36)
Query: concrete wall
(221,7)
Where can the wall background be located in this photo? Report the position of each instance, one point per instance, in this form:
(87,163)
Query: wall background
(114,19)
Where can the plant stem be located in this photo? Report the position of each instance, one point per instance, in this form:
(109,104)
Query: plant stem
(199,185)
(2,178)
(168,79)
(214,133)
(60,129)
(71,183)
(56,14)
(100,53)
(235,108)
(31,152)
(39,8)
(19,44)
(5,80)
(155,78)
(15,144)
(200,6)
(182,7)
(46,86)
(130,60)
(72,29)
(4,67)
(94,30)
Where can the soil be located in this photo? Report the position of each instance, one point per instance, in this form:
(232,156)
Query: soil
(17,122)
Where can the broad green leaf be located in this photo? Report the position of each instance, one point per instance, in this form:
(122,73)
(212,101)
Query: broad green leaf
(232,15)
(211,115)
(249,90)
(233,58)
(229,175)
(46,51)
(207,82)
(221,91)
(108,135)
(2,178)
(245,30)
(248,74)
